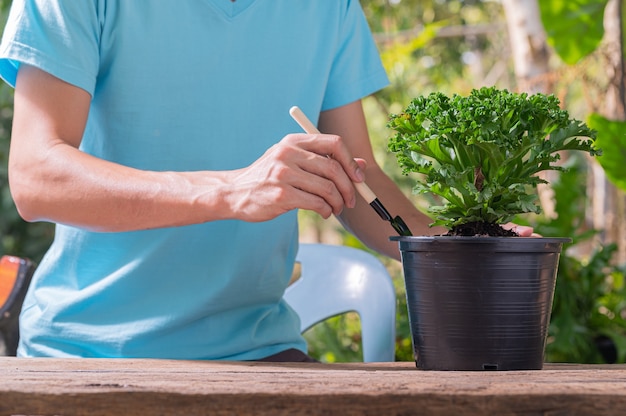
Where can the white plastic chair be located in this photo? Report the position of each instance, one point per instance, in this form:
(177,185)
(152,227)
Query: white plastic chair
(338,279)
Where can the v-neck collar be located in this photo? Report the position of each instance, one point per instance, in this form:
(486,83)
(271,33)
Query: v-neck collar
(231,8)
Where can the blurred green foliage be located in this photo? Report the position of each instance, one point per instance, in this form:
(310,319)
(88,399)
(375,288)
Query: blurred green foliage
(612,141)
(588,314)
(574,28)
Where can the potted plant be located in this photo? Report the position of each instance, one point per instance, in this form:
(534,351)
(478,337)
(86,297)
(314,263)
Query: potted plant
(479,297)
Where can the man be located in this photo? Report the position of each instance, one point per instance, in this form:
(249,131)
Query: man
(156,136)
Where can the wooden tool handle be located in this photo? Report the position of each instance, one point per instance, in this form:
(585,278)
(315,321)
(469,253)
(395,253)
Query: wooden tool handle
(310,128)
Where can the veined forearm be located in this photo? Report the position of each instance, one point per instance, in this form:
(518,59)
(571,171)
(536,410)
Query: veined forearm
(77,189)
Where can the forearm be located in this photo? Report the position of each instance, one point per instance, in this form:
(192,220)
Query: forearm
(70,187)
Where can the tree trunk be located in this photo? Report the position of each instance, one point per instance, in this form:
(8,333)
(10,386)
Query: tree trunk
(610,205)
(528,45)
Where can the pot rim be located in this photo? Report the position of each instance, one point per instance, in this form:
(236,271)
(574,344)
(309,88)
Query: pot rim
(481,244)
(477,239)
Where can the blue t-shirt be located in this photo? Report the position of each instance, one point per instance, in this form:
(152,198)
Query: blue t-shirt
(180,86)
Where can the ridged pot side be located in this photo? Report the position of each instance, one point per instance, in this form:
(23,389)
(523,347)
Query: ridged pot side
(479,303)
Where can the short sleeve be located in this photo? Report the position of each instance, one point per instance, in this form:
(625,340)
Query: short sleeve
(357,69)
(57,36)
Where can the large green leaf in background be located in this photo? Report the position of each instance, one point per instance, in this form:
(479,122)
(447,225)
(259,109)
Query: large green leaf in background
(574,27)
(612,141)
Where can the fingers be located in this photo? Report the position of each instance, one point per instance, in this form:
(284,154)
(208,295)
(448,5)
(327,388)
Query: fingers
(299,172)
(323,186)
(326,178)
(333,147)
(328,168)
(362,165)
(521,230)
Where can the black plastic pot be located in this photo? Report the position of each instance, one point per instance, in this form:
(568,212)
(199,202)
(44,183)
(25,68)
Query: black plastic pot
(479,303)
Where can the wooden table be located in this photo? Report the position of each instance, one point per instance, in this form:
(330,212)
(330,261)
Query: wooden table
(154,387)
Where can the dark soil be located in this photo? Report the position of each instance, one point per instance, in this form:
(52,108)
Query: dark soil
(480,229)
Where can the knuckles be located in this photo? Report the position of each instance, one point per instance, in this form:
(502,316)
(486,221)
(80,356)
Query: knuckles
(334,141)
(281,172)
(333,168)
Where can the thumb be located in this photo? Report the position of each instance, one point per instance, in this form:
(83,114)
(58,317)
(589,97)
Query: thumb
(361,167)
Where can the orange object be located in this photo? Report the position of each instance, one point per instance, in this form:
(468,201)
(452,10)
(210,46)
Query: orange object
(9,268)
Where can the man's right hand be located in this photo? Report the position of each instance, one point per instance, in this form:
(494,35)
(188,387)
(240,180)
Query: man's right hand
(303,171)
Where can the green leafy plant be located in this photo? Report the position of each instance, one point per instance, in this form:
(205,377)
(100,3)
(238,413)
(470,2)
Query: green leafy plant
(481,153)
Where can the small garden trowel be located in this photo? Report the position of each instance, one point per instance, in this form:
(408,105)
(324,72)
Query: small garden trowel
(370,197)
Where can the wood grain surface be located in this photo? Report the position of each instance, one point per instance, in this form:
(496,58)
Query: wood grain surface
(50,386)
